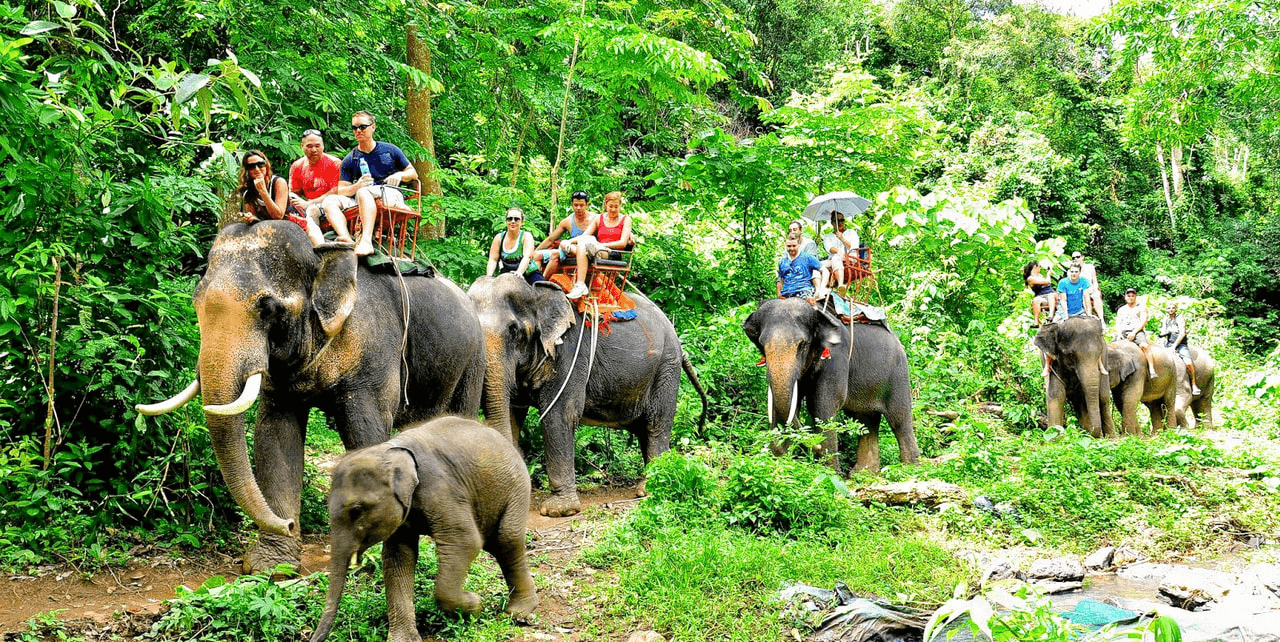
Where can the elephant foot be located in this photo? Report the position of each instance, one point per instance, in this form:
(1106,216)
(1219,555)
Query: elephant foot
(640,491)
(522,603)
(464,602)
(562,505)
(270,551)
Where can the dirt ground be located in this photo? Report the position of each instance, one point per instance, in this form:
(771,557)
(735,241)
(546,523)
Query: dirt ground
(124,602)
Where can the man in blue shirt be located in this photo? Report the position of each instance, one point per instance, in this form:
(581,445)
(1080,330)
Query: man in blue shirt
(388,167)
(798,274)
(1073,288)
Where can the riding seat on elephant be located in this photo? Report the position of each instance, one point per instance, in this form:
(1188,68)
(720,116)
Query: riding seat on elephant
(299,328)
(815,361)
(626,376)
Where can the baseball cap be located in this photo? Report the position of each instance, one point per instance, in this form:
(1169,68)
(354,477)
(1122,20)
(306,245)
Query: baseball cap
(1076,255)
(1133,290)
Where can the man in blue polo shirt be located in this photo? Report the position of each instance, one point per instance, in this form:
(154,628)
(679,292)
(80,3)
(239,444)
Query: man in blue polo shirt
(388,168)
(798,274)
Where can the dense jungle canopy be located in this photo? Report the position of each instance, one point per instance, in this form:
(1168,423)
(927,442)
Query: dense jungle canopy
(988,133)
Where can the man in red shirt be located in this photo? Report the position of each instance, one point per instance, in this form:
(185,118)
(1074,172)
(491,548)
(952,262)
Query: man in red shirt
(311,179)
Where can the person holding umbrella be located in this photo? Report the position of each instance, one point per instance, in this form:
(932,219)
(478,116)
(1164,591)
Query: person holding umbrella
(839,243)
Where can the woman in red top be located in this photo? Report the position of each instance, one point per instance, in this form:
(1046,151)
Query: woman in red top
(613,230)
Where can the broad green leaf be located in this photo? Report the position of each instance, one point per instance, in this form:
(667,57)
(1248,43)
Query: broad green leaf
(188,86)
(36,27)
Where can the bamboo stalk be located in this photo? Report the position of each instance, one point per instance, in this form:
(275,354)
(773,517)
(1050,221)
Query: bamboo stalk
(564,116)
(53,344)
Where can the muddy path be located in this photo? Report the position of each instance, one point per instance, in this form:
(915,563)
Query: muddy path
(124,601)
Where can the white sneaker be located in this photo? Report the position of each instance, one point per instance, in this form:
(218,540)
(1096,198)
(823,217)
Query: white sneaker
(578,290)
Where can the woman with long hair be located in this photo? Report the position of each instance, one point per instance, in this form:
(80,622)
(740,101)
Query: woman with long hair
(263,195)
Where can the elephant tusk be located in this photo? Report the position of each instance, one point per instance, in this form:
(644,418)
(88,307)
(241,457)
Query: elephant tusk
(770,394)
(247,397)
(171,404)
(795,397)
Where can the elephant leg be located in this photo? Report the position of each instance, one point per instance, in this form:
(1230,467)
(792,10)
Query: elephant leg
(654,436)
(1129,409)
(823,401)
(518,416)
(456,548)
(869,443)
(278,457)
(365,417)
(399,559)
(559,427)
(1082,415)
(1105,411)
(1055,400)
(508,549)
(899,416)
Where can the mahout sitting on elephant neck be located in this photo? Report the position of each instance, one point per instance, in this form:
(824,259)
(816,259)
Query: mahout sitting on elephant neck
(317,330)
(455,480)
(533,360)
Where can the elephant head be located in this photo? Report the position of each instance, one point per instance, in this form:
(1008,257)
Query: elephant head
(267,301)
(1077,347)
(523,325)
(370,497)
(792,336)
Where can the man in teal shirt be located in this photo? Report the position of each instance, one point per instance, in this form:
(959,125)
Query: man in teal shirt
(1073,289)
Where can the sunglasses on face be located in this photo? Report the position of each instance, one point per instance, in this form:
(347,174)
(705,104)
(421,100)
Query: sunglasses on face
(360,128)
(253,166)
(514,219)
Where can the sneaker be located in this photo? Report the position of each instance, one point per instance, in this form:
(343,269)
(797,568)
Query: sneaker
(578,290)
(1195,390)
(761,362)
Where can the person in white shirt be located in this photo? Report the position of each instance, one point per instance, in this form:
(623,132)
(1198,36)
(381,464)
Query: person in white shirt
(1131,325)
(839,242)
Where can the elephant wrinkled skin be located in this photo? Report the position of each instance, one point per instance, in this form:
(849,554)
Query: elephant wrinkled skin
(1130,385)
(536,359)
(868,383)
(321,332)
(453,479)
(1201,405)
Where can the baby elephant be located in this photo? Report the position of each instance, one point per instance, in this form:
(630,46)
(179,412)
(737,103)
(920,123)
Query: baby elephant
(453,479)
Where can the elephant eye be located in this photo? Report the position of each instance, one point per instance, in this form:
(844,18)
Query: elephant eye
(270,308)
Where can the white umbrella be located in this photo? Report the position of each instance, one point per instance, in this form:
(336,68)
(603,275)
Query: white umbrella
(847,203)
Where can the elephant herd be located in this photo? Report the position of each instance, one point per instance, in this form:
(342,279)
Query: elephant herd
(1077,347)
(296,328)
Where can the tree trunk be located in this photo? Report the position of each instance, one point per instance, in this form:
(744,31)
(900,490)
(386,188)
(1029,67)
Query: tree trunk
(418,111)
(1168,200)
(1175,165)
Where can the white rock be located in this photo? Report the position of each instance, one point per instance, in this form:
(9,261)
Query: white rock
(1059,569)
(1194,589)
(646,636)
(1100,559)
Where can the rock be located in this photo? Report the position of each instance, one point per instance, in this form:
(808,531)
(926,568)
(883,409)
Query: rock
(1007,511)
(928,493)
(1100,559)
(1125,555)
(1144,571)
(982,502)
(1265,579)
(646,636)
(1195,589)
(1001,570)
(946,414)
(1059,587)
(1059,569)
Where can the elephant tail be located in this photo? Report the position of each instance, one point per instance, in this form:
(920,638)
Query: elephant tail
(697,385)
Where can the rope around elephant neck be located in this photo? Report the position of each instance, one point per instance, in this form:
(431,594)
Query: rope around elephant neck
(566,377)
(404,340)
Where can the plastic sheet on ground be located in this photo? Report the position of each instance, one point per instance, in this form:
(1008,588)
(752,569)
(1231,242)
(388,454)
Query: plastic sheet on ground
(857,619)
(1095,615)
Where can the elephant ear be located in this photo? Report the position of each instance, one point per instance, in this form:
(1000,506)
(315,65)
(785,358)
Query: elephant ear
(1119,363)
(404,477)
(752,326)
(830,331)
(1047,339)
(333,294)
(554,318)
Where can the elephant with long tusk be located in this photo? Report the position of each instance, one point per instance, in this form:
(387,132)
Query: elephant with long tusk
(815,359)
(294,328)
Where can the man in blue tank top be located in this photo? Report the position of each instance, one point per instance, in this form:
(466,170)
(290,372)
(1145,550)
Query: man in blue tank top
(798,274)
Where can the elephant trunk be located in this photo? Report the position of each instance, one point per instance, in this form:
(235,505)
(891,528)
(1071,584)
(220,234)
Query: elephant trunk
(495,397)
(1090,386)
(339,562)
(783,386)
(227,434)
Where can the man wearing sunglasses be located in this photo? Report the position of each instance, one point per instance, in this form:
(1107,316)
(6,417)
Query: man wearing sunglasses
(388,168)
(312,178)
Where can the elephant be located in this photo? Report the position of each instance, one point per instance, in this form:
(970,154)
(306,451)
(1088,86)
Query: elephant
(814,359)
(627,376)
(1130,384)
(298,328)
(1077,348)
(1201,405)
(453,479)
